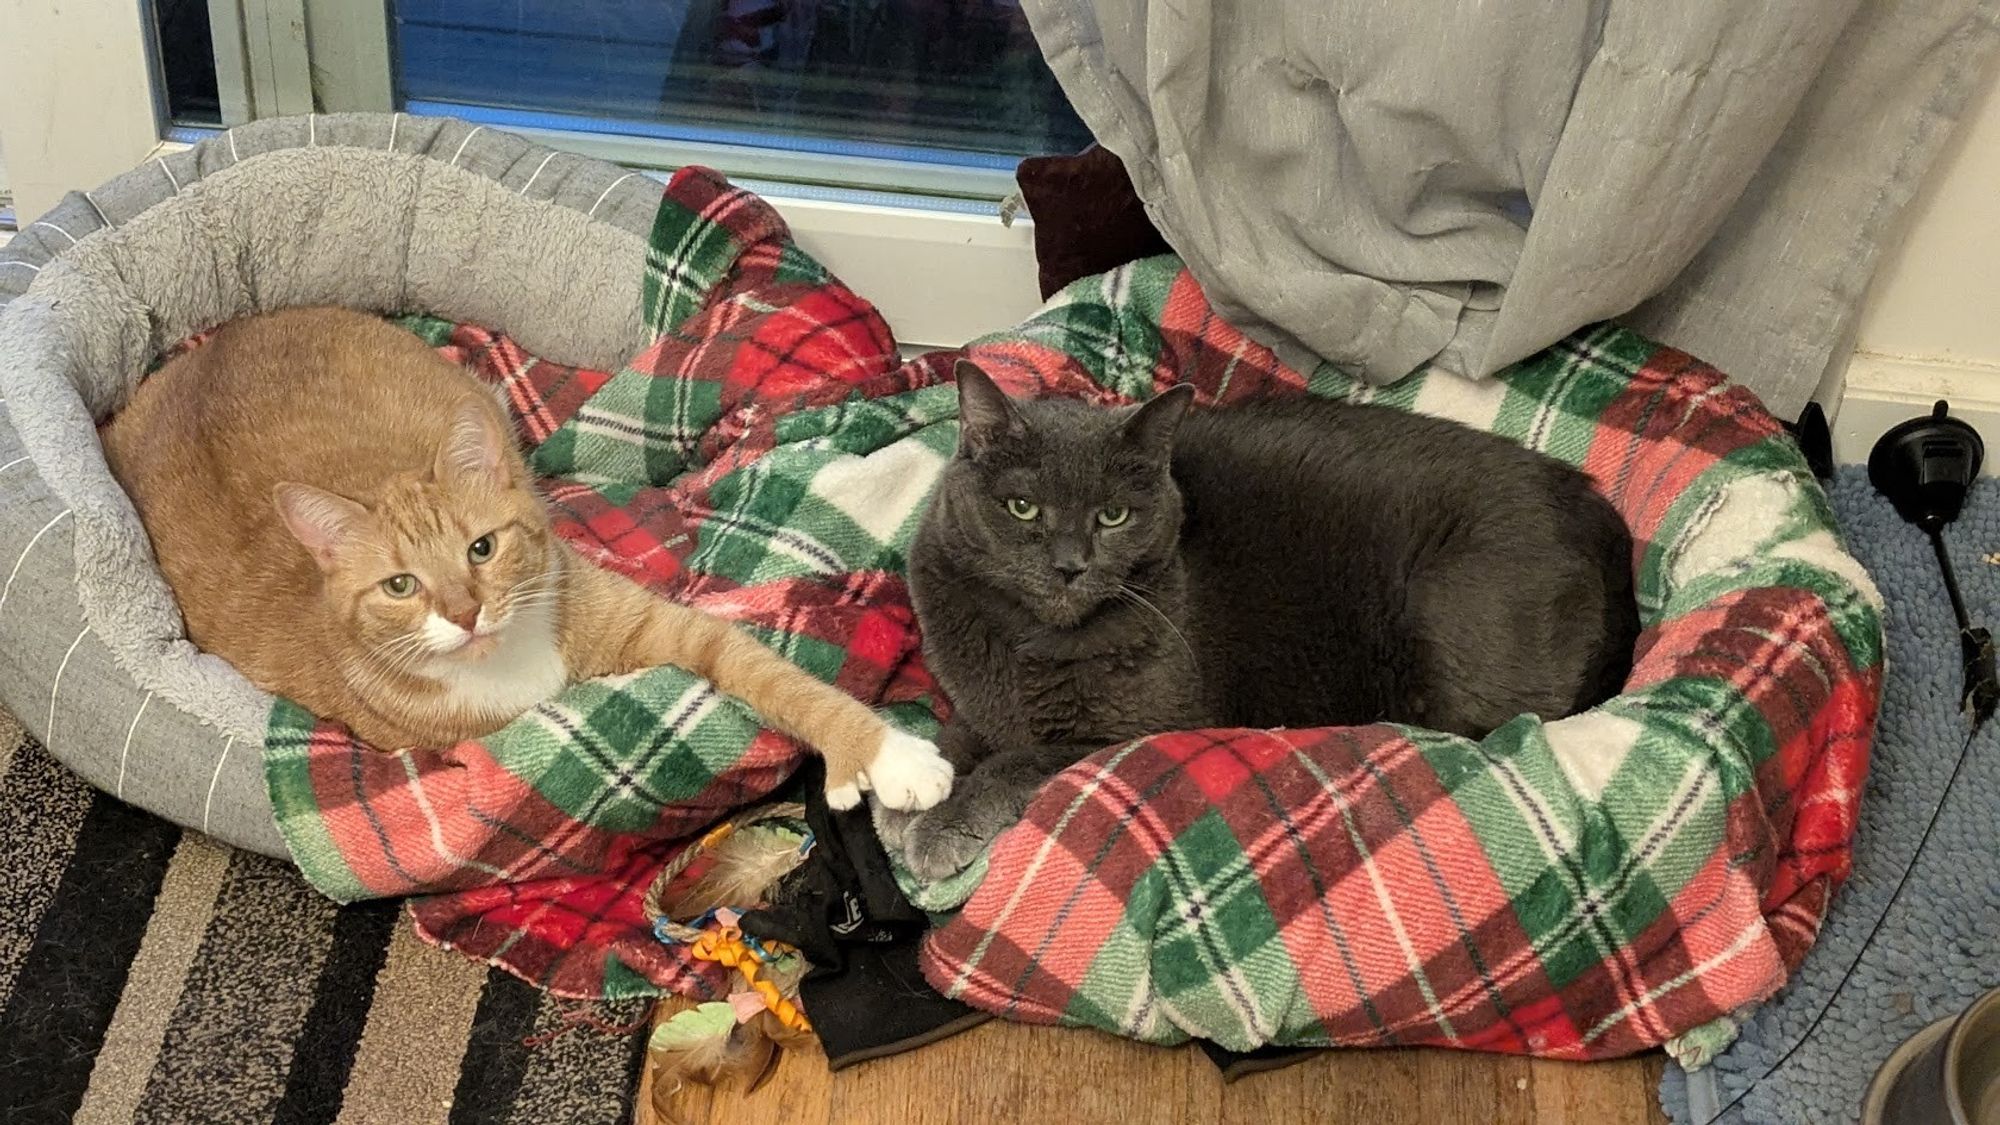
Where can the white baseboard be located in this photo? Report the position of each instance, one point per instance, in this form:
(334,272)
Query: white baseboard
(1882,390)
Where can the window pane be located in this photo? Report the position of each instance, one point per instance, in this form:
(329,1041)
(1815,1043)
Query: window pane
(187,57)
(956,81)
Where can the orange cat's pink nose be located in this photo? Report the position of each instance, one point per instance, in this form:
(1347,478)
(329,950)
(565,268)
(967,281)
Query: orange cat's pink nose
(465,618)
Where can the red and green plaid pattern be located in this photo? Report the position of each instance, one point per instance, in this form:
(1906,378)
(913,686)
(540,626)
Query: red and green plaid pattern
(748,462)
(1581,888)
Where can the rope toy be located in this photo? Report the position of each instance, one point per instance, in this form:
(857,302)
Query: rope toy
(726,944)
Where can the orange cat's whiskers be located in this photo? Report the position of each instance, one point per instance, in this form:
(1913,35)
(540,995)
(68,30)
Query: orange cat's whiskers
(386,675)
(547,582)
(395,642)
(400,651)
(525,591)
(531,593)
(514,609)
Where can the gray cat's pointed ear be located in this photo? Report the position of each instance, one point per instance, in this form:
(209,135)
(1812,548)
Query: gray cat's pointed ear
(1150,428)
(985,414)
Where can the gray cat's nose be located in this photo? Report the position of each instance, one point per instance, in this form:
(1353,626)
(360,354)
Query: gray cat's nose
(1069,558)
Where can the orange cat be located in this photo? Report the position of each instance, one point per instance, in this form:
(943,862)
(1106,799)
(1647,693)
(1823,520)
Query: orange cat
(345,517)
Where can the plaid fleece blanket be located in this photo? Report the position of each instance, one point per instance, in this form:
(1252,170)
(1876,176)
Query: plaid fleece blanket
(1584,888)
(1580,888)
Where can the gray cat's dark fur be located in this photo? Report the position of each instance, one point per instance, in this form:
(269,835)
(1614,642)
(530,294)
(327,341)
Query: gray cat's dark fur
(1283,564)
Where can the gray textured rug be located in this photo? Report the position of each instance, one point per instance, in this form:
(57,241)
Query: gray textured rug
(151,975)
(1939,945)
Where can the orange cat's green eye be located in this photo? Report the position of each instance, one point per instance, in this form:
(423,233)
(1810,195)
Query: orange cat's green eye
(481,549)
(400,585)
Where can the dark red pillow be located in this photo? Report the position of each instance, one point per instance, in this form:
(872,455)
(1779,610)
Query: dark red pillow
(1087,217)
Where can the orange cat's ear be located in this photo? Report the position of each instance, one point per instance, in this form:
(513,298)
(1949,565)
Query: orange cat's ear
(321,521)
(476,446)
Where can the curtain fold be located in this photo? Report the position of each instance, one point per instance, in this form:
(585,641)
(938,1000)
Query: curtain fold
(1457,183)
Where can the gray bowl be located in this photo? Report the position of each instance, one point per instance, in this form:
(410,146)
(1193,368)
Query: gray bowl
(1947,1073)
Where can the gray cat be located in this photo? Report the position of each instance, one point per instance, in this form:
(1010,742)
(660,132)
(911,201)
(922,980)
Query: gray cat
(1084,576)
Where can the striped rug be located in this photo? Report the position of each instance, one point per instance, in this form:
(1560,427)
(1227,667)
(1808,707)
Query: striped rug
(148,974)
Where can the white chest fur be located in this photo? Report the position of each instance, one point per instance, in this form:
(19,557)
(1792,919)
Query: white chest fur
(524,669)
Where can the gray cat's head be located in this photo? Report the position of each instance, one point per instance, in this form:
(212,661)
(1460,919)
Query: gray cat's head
(1056,503)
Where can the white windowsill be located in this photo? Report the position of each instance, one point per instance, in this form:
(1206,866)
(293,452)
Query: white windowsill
(939,277)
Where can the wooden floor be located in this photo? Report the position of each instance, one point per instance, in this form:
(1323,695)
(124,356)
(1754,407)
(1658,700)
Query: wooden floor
(1009,1073)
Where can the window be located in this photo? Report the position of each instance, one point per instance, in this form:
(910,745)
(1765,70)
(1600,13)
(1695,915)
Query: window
(933,97)
(871,84)
(885,131)
(187,61)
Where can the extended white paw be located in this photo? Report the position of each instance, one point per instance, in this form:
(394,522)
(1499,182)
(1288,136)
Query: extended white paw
(907,773)
(840,798)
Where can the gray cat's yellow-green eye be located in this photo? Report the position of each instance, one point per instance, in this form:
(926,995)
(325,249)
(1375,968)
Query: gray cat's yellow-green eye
(1023,509)
(481,549)
(400,585)
(1113,516)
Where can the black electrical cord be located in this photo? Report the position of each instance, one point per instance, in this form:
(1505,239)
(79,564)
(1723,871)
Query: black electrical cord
(1958,612)
(1924,467)
(1964,753)
(1980,694)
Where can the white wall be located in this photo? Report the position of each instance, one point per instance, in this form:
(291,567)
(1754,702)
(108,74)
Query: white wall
(1937,295)
(5,236)
(78,115)
(1930,326)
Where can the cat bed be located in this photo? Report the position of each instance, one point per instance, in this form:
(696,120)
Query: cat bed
(659,346)
(1580,888)
(1583,888)
(385,212)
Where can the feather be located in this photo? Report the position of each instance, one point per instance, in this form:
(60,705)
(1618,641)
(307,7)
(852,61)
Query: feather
(696,1043)
(782,1037)
(742,870)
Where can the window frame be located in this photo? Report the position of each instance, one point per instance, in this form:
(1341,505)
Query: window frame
(87,103)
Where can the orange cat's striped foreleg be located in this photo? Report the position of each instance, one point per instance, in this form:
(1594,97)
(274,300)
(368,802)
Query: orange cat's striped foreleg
(862,751)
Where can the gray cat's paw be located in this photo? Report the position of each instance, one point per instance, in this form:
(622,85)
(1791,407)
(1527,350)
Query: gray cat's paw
(946,840)
(892,827)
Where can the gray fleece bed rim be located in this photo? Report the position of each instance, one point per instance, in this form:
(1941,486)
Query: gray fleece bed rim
(384,212)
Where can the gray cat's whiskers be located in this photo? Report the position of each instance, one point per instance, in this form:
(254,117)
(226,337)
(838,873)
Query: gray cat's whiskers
(1129,593)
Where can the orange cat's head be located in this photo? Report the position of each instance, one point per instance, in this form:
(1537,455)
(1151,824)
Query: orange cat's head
(444,562)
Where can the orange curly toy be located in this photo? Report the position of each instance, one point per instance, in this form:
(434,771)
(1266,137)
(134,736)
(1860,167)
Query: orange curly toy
(726,946)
